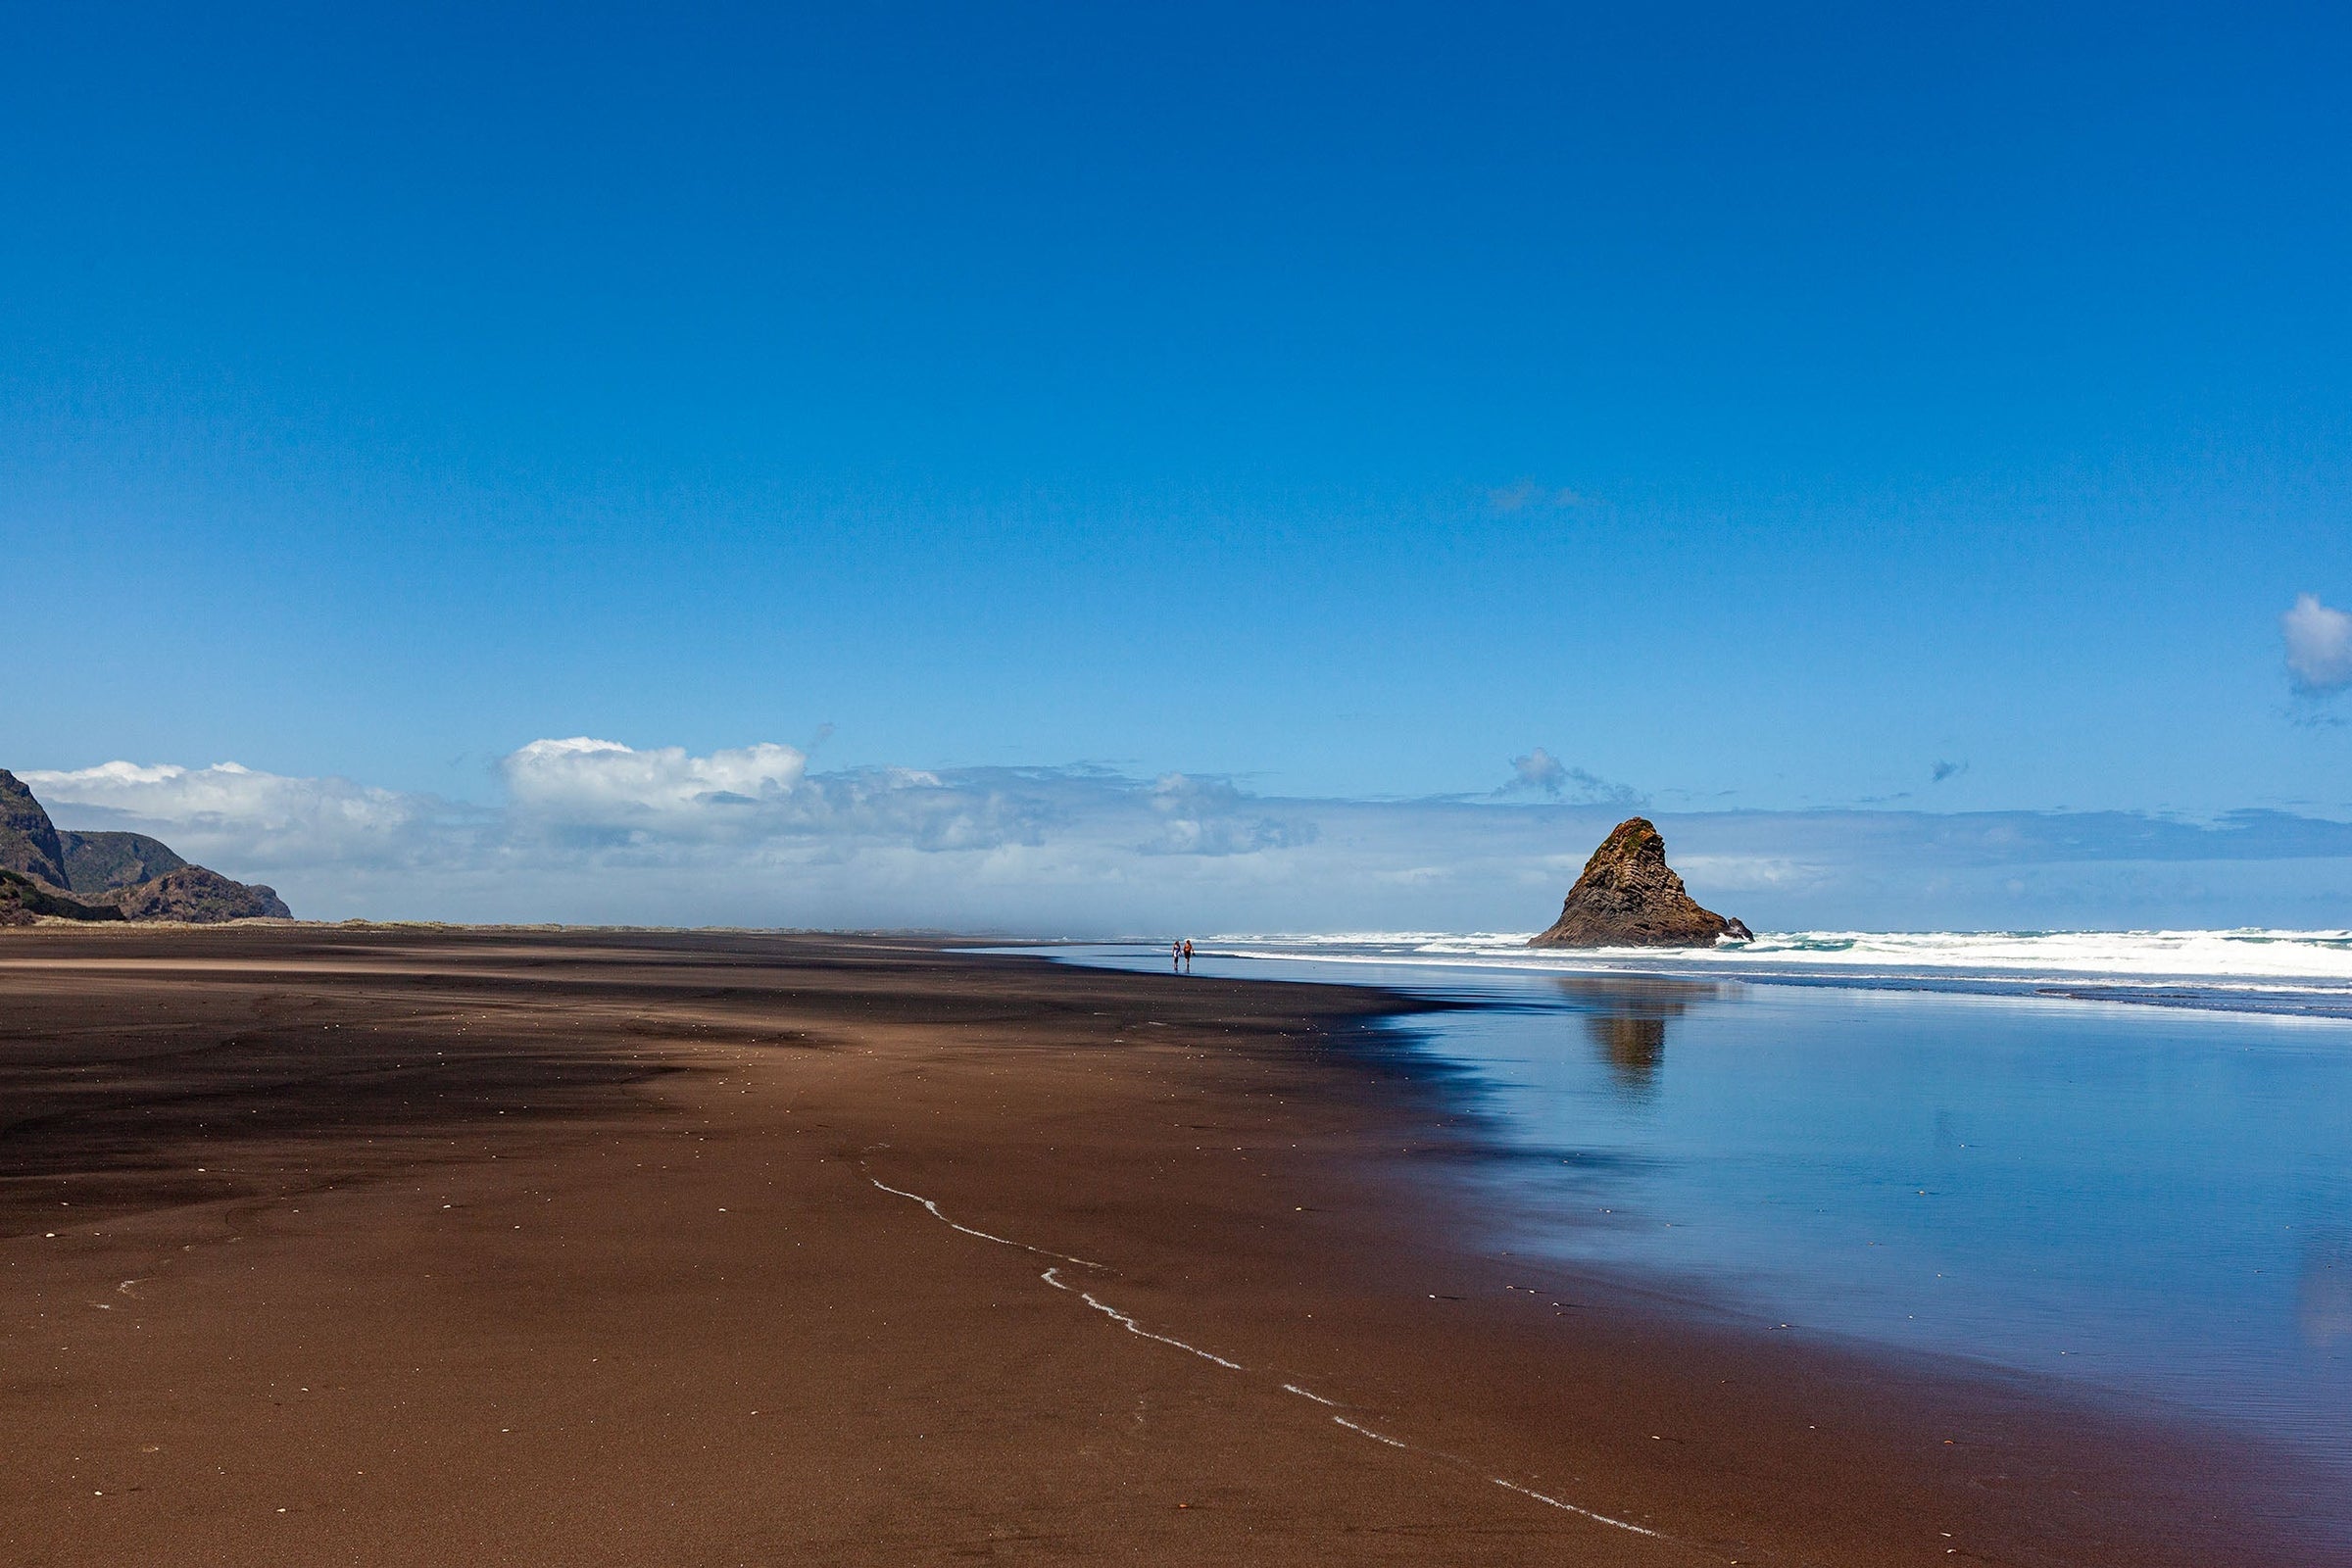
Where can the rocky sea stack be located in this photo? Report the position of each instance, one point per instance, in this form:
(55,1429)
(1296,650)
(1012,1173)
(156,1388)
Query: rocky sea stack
(1629,896)
(45,872)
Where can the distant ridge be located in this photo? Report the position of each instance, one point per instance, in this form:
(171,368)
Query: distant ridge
(109,876)
(97,861)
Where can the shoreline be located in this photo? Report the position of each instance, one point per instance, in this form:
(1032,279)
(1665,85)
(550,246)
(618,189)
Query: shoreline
(2246,995)
(2272,996)
(925,1392)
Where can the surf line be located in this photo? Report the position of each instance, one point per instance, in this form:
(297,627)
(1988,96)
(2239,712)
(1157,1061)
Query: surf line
(1001,1241)
(1133,1327)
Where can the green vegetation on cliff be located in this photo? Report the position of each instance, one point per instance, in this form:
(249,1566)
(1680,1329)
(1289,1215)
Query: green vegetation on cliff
(98,862)
(23,900)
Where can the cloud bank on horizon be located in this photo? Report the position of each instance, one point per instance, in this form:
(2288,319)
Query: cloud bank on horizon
(595,831)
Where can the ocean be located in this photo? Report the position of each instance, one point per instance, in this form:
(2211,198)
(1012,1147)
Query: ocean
(2118,1161)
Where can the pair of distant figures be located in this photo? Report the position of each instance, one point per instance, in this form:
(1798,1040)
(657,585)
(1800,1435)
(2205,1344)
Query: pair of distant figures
(1180,957)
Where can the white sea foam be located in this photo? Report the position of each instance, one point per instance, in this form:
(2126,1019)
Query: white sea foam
(1128,1323)
(1376,1437)
(1570,1507)
(1001,1241)
(2249,960)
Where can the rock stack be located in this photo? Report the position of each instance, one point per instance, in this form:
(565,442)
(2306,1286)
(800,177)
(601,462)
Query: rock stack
(1629,896)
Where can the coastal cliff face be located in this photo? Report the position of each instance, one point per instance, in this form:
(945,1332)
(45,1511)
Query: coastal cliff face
(108,876)
(97,861)
(1629,896)
(28,843)
(195,896)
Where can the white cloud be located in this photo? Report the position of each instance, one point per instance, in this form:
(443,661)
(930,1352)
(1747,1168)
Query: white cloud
(2318,645)
(1212,817)
(600,832)
(606,783)
(231,816)
(1747,873)
(1540,772)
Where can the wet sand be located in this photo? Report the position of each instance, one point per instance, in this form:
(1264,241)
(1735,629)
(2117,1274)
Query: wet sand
(326,1245)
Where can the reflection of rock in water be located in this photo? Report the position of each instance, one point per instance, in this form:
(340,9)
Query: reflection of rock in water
(1627,1018)
(1632,1047)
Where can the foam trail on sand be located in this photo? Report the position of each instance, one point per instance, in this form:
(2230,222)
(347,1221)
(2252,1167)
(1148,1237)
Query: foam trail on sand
(1570,1507)
(1001,1241)
(1376,1437)
(1133,1327)
(1052,1277)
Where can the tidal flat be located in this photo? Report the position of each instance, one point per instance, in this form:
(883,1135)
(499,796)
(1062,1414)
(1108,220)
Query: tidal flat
(414,1245)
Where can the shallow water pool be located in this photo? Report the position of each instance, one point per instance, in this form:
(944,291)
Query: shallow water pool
(2152,1203)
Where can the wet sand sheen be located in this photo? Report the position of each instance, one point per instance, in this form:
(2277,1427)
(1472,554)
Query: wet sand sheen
(401,1247)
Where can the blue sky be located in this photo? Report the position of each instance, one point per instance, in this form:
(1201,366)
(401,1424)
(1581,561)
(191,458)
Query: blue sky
(1756,412)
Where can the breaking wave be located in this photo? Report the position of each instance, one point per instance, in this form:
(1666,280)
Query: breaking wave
(2249,969)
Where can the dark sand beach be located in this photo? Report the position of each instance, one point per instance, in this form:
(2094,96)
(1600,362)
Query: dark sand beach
(392,1245)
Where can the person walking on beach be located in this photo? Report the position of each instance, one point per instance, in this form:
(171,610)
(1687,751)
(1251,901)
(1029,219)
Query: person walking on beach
(1176,957)
(1187,955)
